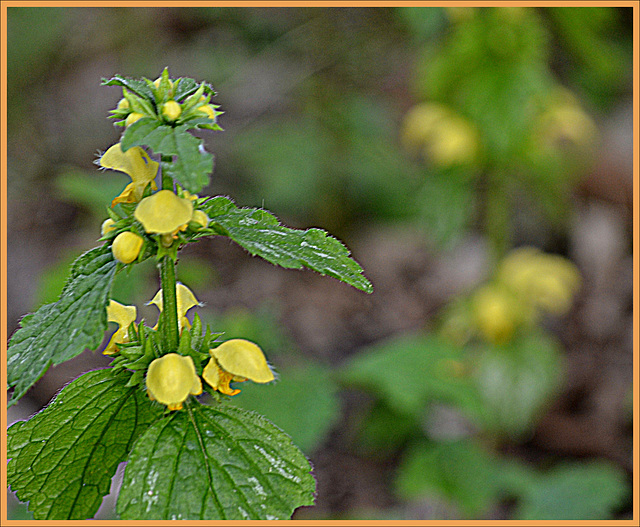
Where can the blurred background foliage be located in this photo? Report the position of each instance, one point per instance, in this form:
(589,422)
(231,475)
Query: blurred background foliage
(477,381)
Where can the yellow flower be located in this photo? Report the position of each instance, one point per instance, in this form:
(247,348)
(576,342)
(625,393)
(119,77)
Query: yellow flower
(132,118)
(171,110)
(126,247)
(496,313)
(208,110)
(544,281)
(236,360)
(123,316)
(171,379)
(107,226)
(137,164)
(185,300)
(164,213)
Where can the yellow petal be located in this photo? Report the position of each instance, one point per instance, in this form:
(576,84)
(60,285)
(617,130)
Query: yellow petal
(137,164)
(163,212)
(171,379)
(123,316)
(242,358)
(185,300)
(218,379)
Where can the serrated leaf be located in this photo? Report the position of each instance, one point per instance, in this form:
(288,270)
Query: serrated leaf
(260,233)
(215,463)
(60,331)
(62,459)
(137,86)
(192,168)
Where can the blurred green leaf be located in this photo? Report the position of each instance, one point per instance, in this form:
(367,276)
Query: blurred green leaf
(517,380)
(410,371)
(303,402)
(383,431)
(460,471)
(574,491)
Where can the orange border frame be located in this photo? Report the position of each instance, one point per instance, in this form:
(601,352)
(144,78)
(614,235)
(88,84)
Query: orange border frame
(635,4)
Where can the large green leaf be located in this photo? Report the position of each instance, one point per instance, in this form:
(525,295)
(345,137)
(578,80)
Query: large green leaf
(62,460)
(60,331)
(260,233)
(137,86)
(192,167)
(215,463)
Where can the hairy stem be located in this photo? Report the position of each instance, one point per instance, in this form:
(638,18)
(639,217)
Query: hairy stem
(169,304)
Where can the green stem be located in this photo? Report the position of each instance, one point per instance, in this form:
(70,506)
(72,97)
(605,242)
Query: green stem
(167,181)
(497,214)
(169,304)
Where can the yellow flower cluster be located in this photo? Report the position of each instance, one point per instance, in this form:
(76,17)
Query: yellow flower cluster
(162,212)
(440,135)
(172,378)
(528,283)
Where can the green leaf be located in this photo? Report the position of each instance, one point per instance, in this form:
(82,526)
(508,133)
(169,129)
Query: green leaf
(137,86)
(62,459)
(260,233)
(460,471)
(60,331)
(304,402)
(517,380)
(214,463)
(411,371)
(574,491)
(192,168)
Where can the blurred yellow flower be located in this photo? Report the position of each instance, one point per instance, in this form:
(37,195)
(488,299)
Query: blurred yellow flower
(496,313)
(236,360)
(123,316)
(442,136)
(171,379)
(137,164)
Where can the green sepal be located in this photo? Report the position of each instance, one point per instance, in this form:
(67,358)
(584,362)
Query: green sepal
(138,104)
(60,331)
(62,459)
(260,233)
(236,466)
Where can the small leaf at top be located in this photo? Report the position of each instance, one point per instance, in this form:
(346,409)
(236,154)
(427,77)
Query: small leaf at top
(191,168)
(60,331)
(137,86)
(62,460)
(215,463)
(260,233)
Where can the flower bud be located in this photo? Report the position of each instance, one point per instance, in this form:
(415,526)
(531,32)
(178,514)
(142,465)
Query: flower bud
(126,247)
(171,110)
(201,218)
(208,110)
(107,226)
(123,104)
(132,118)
